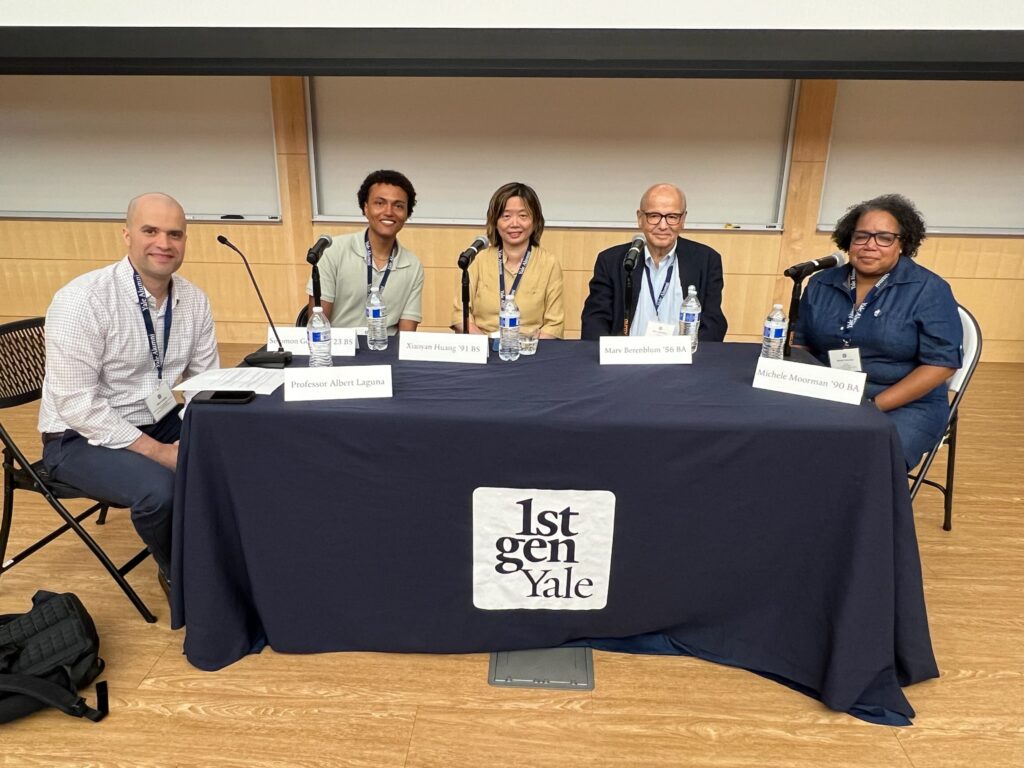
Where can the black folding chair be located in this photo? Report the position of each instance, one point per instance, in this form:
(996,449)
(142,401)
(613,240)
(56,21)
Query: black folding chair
(22,366)
(958,385)
(303,317)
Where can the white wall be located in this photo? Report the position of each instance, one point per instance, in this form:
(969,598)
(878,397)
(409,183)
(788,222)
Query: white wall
(582,14)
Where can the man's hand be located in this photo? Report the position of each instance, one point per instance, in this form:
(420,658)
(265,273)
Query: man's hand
(164,454)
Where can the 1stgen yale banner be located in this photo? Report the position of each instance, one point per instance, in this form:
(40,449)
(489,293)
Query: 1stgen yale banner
(536,548)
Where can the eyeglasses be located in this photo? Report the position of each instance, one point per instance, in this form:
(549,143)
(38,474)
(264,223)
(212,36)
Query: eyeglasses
(884,239)
(653,217)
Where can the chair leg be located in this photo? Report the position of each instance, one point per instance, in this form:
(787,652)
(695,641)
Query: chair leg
(56,533)
(922,470)
(107,563)
(947,524)
(102,519)
(5,522)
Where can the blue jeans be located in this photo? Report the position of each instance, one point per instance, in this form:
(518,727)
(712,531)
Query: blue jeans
(124,478)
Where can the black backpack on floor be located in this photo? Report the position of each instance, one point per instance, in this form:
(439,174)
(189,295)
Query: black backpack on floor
(46,655)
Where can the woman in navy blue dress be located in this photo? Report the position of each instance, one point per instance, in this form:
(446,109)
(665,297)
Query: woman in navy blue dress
(887,316)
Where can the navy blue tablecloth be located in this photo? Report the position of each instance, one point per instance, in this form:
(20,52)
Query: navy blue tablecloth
(767,531)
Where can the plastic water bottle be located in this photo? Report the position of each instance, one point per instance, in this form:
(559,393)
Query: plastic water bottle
(508,319)
(318,334)
(376,321)
(689,317)
(774,340)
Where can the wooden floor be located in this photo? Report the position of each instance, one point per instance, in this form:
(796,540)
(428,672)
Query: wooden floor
(364,709)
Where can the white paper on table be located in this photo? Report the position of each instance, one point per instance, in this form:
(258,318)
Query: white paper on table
(262,381)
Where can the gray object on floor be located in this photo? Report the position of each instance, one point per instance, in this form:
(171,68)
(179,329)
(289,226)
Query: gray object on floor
(566,668)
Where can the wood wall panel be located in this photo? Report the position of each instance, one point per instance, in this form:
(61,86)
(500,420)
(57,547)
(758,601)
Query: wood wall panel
(747,301)
(998,306)
(38,256)
(441,285)
(989,258)
(814,120)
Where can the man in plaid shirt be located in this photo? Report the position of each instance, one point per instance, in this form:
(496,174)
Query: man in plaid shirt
(117,339)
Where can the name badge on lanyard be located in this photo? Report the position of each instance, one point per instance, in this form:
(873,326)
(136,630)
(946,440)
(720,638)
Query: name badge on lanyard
(161,402)
(369,264)
(501,274)
(848,358)
(664,286)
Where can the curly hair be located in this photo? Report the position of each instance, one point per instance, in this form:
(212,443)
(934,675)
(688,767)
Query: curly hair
(394,178)
(497,207)
(912,229)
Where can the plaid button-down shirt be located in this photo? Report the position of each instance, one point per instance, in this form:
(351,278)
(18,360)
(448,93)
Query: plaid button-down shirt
(99,368)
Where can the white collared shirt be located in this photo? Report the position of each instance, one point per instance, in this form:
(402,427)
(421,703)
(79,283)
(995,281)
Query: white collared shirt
(99,368)
(670,305)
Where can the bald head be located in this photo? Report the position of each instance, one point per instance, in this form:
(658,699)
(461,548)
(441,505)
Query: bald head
(661,190)
(154,232)
(661,217)
(152,200)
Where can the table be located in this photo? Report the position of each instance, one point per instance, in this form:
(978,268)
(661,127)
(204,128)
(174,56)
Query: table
(754,528)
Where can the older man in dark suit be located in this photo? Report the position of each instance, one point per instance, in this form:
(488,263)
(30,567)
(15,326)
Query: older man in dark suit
(670,264)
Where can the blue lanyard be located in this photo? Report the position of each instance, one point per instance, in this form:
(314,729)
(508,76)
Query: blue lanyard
(855,311)
(664,286)
(369,264)
(147,318)
(519,274)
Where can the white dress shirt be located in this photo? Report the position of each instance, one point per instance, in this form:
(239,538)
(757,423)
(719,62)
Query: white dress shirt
(668,312)
(99,368)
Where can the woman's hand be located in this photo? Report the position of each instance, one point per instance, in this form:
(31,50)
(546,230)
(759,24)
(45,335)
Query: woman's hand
(915,384)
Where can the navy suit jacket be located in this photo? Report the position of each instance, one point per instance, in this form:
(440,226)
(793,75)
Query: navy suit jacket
(699,266)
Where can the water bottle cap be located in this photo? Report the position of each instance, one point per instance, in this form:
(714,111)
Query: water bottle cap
(776,306)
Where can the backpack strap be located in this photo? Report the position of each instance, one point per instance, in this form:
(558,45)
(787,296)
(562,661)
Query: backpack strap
(54,695)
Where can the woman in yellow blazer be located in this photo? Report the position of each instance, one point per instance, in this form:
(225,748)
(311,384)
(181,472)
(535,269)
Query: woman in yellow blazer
(515,264)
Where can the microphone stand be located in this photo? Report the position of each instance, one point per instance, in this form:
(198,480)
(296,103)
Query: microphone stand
(464,261)
(627,309)
(314,259)
(263,358)
(794,313)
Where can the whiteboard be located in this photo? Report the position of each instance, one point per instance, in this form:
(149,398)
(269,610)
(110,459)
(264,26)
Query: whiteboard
(955,148)
(76,146)
(589,147)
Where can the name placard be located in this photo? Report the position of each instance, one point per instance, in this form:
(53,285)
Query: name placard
(645,350)
(343,341)
(810,380)
(443,347)
(348,383)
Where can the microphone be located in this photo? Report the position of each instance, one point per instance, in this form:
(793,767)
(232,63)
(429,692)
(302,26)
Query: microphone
(806,268)
(629,261)
(314,253)
(261,358)
(467,256)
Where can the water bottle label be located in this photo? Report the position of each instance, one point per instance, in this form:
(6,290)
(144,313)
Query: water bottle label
(691,317)
(374,313)
(775,331)
(317,336)
(509,322)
